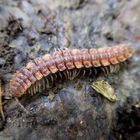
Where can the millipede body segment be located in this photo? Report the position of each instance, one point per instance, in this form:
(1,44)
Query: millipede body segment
(61,61)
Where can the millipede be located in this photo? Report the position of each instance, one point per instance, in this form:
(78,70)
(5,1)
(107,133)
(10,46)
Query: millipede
(36,75)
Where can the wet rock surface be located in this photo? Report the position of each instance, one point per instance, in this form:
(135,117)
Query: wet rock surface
(72,110)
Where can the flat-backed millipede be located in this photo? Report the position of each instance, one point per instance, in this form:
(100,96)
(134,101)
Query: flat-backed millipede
(36,74)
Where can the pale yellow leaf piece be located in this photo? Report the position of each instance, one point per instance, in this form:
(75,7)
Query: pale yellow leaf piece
(105,89)
(1,106)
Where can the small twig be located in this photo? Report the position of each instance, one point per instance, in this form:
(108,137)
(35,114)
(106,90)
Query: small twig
(22,107)
(1,104)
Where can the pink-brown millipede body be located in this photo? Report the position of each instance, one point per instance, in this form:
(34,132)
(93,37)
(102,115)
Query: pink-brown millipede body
(66,60)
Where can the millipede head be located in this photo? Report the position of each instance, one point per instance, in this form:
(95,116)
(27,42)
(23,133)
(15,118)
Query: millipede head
(125,51)
(128,51)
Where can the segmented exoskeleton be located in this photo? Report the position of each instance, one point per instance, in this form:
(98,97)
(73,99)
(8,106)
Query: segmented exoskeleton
(35,76)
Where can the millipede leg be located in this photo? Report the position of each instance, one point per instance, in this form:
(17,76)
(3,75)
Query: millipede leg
(39,87)
(69,74)
(57,49)
(118,68)
(114,68)
(60,75)
(43,84)
(47,83)
(84,72)
(122,64)
(55,76)
(65,74)
(22,107)
(34,89)
(29,91)
(104,71)
(63,48)
(52,80)
(95,71)
(90,72)
(76,73)
(111,69)
(107,70)
(72,74)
